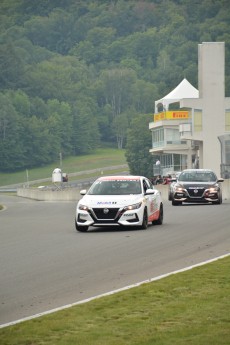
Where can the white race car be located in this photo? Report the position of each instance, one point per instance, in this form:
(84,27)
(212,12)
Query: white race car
(119,201)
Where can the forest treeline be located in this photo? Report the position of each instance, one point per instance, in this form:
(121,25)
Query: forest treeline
(75,75)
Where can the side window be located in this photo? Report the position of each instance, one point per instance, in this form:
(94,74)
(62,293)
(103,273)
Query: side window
(150,185)
(145,185)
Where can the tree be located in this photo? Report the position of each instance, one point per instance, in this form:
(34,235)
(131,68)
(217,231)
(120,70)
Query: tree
(120,126)
(55,32)
(11,129)
(138,144)
(74,73)
(11,66)
(118,88)
(85,128)
(41,142)
(144,95)
(62,78)
(62,112)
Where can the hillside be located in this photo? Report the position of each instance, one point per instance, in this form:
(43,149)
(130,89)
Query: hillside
(76,75)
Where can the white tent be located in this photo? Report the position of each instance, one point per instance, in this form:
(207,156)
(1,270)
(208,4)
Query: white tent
(183,90)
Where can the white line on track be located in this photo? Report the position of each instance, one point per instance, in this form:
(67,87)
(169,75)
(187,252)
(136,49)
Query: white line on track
(111,292)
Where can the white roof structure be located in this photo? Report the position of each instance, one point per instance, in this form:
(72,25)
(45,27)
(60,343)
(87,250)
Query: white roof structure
(183,90)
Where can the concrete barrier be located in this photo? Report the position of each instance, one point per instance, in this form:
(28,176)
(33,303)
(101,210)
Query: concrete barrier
(73,194)
(69,194)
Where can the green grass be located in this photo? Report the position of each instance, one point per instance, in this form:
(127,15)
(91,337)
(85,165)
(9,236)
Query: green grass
(101,158)
(189,308)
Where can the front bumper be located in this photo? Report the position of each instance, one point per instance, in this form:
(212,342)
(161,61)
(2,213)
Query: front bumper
(109,217)
(203,196)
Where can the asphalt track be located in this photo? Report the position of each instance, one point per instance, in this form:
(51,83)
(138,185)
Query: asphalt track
(45,263)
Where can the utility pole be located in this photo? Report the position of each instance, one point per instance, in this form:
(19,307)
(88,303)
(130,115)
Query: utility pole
(60,160)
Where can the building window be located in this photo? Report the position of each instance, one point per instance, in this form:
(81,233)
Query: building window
(169,162)
(197,120)
(157,137)
(227,120)
(173,136)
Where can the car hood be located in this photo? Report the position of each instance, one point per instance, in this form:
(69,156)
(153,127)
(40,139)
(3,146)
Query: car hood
(197,184)
(110,200)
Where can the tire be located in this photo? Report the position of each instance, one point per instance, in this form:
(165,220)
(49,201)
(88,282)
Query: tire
(170,196)
(221,198)
(159,221)
(144,224)
(81,228)
(218,202)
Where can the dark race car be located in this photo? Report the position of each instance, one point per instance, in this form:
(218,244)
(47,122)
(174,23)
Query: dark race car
(172,182)
(197,185)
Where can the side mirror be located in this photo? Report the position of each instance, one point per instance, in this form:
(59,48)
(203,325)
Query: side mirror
(220,180)
(83,192)
(173,179)
(150,191)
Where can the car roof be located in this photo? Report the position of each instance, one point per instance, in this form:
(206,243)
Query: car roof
(118,177)
(197,170)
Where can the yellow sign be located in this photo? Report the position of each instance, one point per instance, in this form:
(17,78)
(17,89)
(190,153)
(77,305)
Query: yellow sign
(171,115)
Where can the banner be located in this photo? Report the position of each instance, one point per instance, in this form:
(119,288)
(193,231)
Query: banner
(171,115)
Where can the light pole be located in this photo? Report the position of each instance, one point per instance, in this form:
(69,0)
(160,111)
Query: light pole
(60,160)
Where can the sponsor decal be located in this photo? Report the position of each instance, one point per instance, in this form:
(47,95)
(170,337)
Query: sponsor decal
(171,115)
(106,203)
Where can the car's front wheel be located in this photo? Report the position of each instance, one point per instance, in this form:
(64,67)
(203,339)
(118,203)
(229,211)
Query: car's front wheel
(81,228)
(219,201)
(159,221)
(144,224)
(169,196)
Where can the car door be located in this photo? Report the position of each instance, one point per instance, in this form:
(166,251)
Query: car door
(151,201)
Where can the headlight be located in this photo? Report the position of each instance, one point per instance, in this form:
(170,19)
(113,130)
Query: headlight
(179,189)
(132,207)
(213,189)
(83,207)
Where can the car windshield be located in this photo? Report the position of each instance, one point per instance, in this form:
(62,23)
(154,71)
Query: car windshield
(197,176)
(115,187)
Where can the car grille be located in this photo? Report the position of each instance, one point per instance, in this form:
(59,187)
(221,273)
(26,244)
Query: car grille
(105,213)
(195,192)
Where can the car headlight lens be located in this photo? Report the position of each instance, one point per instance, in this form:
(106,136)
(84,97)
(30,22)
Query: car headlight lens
(213,189)
(179,189)
(83,207)
(133,207)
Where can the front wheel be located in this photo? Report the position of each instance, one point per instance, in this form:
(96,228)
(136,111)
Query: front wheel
(159,221)
(218,202)
(144,224)
(170,196)
(81,228)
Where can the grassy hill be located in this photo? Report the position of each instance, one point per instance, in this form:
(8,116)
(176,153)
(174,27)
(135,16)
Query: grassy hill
(105,157)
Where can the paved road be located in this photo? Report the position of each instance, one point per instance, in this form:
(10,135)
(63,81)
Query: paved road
(45,263)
